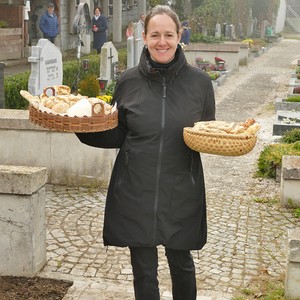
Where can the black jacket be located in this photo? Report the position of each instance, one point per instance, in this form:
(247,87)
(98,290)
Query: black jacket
(156,195)
(100,36)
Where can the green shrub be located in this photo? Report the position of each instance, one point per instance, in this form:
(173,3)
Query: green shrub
(201,38)
(3,24)
(89,86)
(122,56)
(291,136)
(73,71)
(12,86)
(293,99)
(271,158)
(297,70)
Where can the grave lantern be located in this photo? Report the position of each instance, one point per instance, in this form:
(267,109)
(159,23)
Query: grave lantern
(102,84)
(85,64)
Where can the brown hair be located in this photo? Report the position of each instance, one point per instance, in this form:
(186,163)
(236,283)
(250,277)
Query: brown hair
(160,10)
(99,8)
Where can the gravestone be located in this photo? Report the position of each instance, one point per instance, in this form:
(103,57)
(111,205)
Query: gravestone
(130,52)
(138,29)
(109,63)
(218,31)
(46,67)
(2,97)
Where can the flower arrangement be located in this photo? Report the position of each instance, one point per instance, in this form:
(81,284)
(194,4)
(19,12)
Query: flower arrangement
(200,60)
(250,42)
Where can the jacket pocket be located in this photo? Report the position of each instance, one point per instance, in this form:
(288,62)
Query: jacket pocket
(185,198)
(127,193)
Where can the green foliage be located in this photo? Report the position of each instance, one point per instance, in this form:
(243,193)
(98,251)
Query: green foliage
(153,3)
(89,86)
(291,136)
(271,158)
(122,56)
(295,98)
(212,12)
(3,24)
(297,70)
(200,38)
(196,3)
(297,213)
(12,86)
(73,67)
(261,9)
(178,7)
(110,89)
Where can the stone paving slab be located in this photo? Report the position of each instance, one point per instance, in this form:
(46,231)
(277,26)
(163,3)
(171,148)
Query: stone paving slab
(247,229)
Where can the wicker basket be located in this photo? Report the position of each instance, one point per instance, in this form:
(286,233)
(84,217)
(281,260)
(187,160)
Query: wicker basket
(97,122)
(219,144)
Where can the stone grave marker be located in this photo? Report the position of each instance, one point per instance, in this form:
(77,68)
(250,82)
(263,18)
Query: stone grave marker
(109,63)
(218,31)
(46,67)
(139,42)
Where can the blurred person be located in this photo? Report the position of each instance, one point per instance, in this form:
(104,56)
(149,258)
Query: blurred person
(99,27)
(186,33)
(129,29)
(49,23)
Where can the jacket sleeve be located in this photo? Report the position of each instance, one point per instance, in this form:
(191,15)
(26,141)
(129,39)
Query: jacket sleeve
(42,24)
(103,24)
(209,112)
(109,139)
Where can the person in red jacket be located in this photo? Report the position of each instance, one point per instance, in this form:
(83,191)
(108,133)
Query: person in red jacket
(156,195)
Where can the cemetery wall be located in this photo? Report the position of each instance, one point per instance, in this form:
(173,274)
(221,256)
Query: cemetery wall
(230,53)
(68,161)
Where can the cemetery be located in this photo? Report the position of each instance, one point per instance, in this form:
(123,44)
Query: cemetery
(26,146)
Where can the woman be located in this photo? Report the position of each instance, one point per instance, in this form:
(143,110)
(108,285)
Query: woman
(99,27)
(129,29)
(156,194)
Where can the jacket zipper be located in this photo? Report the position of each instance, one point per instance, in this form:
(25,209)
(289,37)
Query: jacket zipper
(160,150)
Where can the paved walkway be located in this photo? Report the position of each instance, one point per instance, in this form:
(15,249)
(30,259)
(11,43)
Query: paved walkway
(247,230)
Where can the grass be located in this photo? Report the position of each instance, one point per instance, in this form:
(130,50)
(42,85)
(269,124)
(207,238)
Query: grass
(262,287)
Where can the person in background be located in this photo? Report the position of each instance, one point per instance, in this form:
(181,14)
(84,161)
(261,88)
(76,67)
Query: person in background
(186,33)
(49,23)
(141,21)
(99,27)
(129,30)
(156,195)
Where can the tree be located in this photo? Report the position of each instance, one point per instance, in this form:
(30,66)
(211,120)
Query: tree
(212,12)
(179,8)
(265,9)
(196,3)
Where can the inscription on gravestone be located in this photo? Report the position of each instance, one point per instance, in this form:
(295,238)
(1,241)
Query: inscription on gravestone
(46,67)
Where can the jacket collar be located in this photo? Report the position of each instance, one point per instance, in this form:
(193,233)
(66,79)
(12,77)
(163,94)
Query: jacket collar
(156,74)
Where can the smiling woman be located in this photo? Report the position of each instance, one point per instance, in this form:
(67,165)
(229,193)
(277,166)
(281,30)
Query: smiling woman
(161,36)
(156,194)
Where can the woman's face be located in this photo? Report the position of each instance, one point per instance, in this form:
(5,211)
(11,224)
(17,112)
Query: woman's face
(97,12)
(162,38)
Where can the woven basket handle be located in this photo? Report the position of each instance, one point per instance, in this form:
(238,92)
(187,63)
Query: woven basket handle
(49,88)
(95,108)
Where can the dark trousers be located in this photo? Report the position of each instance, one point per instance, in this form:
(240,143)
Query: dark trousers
(51,39)
(144,263)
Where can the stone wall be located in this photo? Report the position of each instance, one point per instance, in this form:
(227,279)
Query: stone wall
(68,161)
